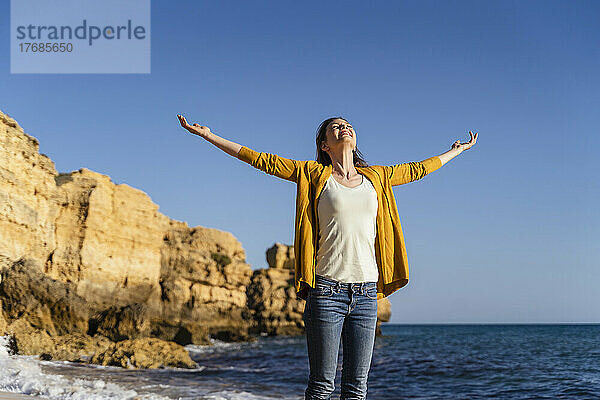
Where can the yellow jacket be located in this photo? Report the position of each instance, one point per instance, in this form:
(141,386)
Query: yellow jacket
(310,177)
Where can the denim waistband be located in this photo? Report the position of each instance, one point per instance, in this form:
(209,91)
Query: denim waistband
(344,285)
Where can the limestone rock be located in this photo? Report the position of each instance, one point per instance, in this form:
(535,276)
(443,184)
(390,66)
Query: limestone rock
(111,246)
(384,312)
(28,340)
(281,256)
(108,241)
(3,323)
(75,347)
(227,335)
(47,304)
(203,280)
(27,195)
(145,353)
(79,348)
(275,307)
(182,333)
(120,323)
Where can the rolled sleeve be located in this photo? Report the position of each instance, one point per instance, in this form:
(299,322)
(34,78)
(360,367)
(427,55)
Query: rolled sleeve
(400,174)
(271,164)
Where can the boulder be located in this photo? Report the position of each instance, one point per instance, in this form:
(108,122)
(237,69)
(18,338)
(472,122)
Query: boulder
(50,305)
(384,312)
(145,353)
(75,347)
(182,333)
(121,323)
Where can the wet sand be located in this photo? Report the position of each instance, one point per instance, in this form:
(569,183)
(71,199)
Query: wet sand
(14,396)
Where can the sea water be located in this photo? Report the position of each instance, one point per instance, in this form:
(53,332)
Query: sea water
(409,362)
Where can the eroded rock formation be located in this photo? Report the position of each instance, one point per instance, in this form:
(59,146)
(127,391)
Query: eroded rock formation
(110,248)
(271,295)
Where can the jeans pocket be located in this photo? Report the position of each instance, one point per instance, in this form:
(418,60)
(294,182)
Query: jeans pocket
(322,290)
(371,293)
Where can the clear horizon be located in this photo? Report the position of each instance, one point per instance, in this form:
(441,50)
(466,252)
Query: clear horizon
(507,231)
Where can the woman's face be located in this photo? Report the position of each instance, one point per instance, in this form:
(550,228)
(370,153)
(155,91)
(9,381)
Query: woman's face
(339,135)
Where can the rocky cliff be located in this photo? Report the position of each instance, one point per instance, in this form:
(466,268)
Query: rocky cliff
(91,270)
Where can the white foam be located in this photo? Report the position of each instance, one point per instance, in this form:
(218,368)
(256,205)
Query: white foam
(241,369)
(241,395)
(23,374)
(218,346)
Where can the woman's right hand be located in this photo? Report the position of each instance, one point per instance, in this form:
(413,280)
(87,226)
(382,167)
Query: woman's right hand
(466,146)
(196,129)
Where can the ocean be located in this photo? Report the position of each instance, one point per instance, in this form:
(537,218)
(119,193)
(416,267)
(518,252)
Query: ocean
(554,361)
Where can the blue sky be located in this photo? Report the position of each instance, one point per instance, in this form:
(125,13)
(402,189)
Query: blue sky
(506,232)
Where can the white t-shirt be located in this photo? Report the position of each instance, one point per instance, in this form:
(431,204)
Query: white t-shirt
(347,229)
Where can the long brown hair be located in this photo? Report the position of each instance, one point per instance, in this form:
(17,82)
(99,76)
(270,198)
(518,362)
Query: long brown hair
(323,157)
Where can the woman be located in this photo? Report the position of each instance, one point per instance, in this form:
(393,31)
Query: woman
(348,245)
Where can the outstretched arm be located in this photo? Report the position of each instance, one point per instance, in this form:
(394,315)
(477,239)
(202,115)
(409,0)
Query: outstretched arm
(271,164)
(227,146)
(400,174)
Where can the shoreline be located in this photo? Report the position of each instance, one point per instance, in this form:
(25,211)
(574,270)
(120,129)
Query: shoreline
(15,396)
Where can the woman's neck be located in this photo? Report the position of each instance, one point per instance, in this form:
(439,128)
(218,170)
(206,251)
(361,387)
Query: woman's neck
(343,164)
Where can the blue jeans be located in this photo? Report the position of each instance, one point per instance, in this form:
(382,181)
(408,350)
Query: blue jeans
(333,311)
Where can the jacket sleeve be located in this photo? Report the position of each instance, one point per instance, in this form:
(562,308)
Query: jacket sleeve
(400,174)
(272,164)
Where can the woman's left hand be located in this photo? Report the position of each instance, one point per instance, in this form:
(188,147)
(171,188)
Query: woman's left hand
(466,146)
